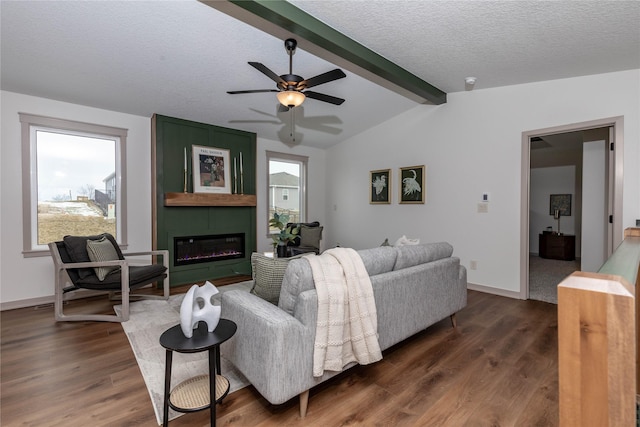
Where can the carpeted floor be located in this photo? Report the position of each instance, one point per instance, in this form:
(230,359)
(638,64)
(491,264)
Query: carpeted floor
(148,320)
(545,275)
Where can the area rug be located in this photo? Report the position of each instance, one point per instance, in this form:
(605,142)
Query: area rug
(147,321)
(545,275)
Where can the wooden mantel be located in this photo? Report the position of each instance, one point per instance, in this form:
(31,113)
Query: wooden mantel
(206,199)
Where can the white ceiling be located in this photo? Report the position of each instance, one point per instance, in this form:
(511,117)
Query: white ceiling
(178,58)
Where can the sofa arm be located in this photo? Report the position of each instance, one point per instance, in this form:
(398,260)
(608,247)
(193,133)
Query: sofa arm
(462,275)
(269,347)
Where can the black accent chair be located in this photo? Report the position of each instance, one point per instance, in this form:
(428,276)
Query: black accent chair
(75,271)
(308,239)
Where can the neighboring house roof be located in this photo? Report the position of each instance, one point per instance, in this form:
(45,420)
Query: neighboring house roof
(283,179)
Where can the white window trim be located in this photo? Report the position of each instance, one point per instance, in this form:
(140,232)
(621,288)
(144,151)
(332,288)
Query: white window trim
(304,160)
(29,123)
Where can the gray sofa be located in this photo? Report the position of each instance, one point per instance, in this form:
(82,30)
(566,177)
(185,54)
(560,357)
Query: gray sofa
(414,287)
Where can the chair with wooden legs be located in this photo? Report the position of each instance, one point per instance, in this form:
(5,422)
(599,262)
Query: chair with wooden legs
(97,263)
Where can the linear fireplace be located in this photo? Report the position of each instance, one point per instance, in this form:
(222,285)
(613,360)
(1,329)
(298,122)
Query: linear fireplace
(216,247)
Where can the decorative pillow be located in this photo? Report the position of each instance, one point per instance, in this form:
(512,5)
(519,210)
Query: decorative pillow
(404,240)
(267,276)
(102,250)
(310,236)
(77,249)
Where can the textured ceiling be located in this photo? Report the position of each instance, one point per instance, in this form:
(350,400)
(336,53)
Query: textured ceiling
(179,58)
(500,42)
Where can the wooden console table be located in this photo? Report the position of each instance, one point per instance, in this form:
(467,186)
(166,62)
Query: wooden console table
(557,246)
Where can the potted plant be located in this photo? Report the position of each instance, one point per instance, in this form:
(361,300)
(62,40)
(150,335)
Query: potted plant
(286,234)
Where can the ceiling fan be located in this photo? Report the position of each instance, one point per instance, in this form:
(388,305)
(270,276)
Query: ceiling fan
(291,88)
(287,132)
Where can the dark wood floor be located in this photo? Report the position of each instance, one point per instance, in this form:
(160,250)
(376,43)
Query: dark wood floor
(498,368)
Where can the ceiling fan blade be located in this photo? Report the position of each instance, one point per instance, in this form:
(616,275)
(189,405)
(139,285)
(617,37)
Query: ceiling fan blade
(263,113)
(323,78)
(267,72)
(322,97)
(235,92)
(324,119)
(272,122)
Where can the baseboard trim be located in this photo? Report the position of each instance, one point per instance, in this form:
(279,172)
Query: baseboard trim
(494,291)
(24,303)
(46,301)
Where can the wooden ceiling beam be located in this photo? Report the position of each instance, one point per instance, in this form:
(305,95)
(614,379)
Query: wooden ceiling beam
(283,20)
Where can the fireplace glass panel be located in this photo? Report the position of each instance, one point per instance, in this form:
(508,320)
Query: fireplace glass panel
(198,249)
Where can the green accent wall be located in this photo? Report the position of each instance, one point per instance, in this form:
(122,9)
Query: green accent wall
(171,136)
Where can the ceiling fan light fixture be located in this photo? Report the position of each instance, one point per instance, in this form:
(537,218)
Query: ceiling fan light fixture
(291,98)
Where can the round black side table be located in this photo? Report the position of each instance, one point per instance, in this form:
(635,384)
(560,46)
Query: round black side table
(191,395)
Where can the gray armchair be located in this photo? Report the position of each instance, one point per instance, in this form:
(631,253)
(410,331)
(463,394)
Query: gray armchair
(74,270)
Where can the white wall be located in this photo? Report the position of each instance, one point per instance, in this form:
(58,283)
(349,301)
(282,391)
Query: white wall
(32,278)
(543,183)
(472,145)
(316,210)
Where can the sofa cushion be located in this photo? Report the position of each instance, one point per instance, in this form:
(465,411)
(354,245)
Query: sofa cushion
(297,279)
(379,260)
(411,255)
(102,250)
(139,275)
(77,250)
(310,236)
(267,276)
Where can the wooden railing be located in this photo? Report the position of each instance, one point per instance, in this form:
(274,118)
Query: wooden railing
(598,328)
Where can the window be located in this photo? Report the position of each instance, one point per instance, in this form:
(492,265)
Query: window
(73,181)
(287,180)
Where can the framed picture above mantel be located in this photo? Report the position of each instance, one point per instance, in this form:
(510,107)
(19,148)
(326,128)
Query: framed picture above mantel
(211,170)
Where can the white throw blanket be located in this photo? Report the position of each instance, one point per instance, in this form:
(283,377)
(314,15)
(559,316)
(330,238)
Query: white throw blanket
(347,326)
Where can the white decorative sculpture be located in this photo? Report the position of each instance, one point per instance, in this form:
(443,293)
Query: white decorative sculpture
(197,306)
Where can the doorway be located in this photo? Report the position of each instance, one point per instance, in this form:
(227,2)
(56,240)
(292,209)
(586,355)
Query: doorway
(559,160)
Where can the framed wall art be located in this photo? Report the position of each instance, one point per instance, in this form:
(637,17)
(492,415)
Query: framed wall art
(211,170)
(412,184)
(380,186)
(561,202)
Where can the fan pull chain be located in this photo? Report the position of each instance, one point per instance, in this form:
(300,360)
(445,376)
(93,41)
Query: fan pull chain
(293,125)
